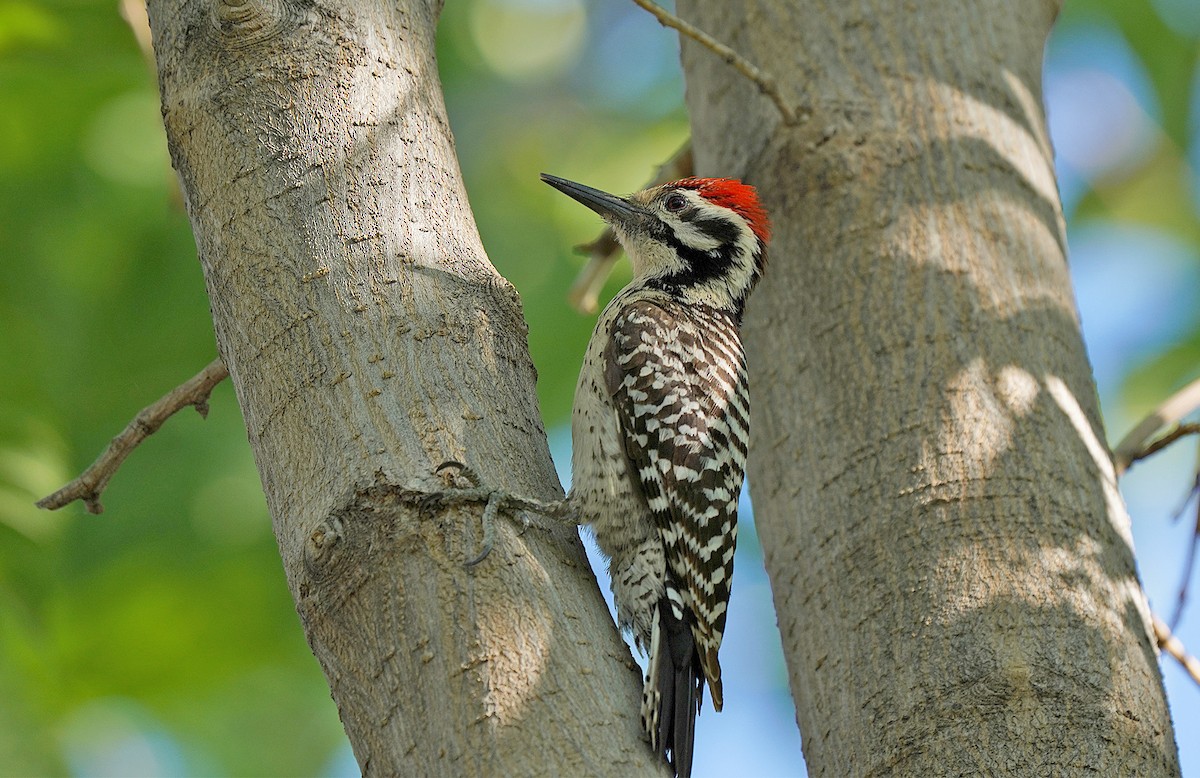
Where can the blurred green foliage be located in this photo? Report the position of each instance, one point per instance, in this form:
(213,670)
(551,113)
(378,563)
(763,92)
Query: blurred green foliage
(1159,190)
(162,633)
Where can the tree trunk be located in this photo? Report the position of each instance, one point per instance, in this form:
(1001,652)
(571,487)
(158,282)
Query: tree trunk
(369,340)
(950,560)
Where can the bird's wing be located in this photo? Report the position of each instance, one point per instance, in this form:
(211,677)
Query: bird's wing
(678,381)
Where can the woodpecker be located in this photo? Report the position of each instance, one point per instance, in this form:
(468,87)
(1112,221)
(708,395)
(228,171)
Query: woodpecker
(660,430)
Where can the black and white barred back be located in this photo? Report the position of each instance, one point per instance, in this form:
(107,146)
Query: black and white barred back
(678,380)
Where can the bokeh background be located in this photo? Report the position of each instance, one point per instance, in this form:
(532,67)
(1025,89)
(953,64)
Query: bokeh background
(159,638)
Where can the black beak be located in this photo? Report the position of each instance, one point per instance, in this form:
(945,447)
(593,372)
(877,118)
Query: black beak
(610,207)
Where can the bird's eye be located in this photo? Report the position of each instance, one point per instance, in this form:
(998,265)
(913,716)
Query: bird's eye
(675,202)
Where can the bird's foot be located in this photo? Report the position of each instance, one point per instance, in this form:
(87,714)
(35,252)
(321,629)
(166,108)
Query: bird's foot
(495,500)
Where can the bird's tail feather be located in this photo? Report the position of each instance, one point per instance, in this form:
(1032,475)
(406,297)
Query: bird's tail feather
(673,689)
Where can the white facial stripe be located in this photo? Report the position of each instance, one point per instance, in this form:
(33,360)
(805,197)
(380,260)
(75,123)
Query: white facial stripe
(649,257)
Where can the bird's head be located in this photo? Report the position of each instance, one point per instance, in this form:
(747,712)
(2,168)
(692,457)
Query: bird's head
(703,240)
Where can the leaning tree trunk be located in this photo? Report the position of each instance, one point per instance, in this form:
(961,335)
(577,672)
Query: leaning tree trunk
(950,559)
(369,340)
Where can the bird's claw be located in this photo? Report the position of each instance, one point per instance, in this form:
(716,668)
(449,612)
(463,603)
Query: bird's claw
(453,473)
(494,501)
(450,472)
(489,529)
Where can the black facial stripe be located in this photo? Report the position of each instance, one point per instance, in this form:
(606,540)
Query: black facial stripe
(701,266)
(721,230)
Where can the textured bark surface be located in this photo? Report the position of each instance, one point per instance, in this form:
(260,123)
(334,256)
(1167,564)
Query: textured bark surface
(950,559)
(369,340)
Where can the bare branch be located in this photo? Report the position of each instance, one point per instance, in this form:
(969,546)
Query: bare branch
(1172,645)
(764,82)
(88,486)
(1136,446)
(1176,407)
(134,14)
(584,294)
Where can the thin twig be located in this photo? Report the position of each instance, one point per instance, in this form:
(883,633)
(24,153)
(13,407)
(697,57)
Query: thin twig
(764,82)
(584,294)
(1172,645)
(1158,444)
(1190,563)
(88,486)
(1172,411)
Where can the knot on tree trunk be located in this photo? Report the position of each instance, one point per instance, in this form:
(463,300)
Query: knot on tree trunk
(247,22)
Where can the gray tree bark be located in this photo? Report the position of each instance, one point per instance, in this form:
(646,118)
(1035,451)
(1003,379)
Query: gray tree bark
(369,339)
(950,559)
